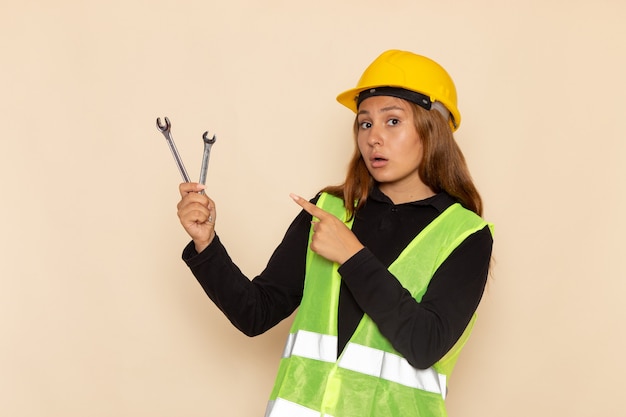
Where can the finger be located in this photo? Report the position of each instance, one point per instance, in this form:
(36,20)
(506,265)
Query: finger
(193,210)
(309,207)
(194,217)
(190,187)
(212,212)
(194,198)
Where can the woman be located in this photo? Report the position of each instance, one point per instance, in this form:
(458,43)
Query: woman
(386,270)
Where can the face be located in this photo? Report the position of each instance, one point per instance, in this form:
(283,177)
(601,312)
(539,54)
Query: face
(390,146)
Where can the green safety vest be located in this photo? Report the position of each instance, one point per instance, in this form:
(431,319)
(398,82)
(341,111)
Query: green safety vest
(370,378)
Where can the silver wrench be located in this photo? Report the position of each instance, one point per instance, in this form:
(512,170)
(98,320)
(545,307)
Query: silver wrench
(205,156)
(166,130)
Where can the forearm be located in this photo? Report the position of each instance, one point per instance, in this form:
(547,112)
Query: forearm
(225,284)
(253,306)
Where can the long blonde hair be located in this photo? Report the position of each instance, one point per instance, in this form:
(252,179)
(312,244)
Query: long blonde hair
(443,166)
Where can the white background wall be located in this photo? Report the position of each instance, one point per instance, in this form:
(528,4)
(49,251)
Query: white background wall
(100,317)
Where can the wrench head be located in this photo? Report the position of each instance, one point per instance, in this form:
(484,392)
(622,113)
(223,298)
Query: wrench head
(161,127)
(206,139)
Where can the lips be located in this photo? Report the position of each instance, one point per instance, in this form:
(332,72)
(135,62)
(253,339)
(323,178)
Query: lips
(378,161)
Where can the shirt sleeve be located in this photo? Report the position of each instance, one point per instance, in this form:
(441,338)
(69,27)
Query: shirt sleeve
(254,306)
(423,331)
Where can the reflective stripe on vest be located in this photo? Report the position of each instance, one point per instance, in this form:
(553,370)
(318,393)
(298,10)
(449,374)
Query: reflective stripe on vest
(365,360)
(311,345)
(283,408)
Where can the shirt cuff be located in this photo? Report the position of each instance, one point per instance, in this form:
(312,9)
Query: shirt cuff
(192,258)
(354,263)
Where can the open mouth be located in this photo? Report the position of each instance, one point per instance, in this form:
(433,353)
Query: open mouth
(378,161)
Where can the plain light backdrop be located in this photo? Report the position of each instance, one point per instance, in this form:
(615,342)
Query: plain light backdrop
(100,317)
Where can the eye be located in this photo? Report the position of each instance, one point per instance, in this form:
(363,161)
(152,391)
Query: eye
(365,125)
(393,122)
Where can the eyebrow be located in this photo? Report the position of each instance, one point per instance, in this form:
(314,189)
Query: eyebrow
(384,109)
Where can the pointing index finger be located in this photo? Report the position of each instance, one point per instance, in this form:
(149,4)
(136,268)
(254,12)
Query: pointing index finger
(309,207)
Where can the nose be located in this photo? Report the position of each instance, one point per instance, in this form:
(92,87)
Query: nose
(375,136)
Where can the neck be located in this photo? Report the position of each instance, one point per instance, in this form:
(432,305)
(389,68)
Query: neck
(400,195)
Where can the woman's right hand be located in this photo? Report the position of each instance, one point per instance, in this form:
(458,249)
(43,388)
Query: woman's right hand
(197,214)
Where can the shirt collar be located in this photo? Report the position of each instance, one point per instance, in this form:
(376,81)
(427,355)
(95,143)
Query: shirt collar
(440,201)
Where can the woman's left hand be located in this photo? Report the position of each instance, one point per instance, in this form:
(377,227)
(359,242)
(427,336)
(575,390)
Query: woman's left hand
(332,239)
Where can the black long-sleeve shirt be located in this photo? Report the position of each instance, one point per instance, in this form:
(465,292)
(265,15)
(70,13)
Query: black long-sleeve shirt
(421,331)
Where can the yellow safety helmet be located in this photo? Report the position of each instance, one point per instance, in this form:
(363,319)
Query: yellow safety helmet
(409,76)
